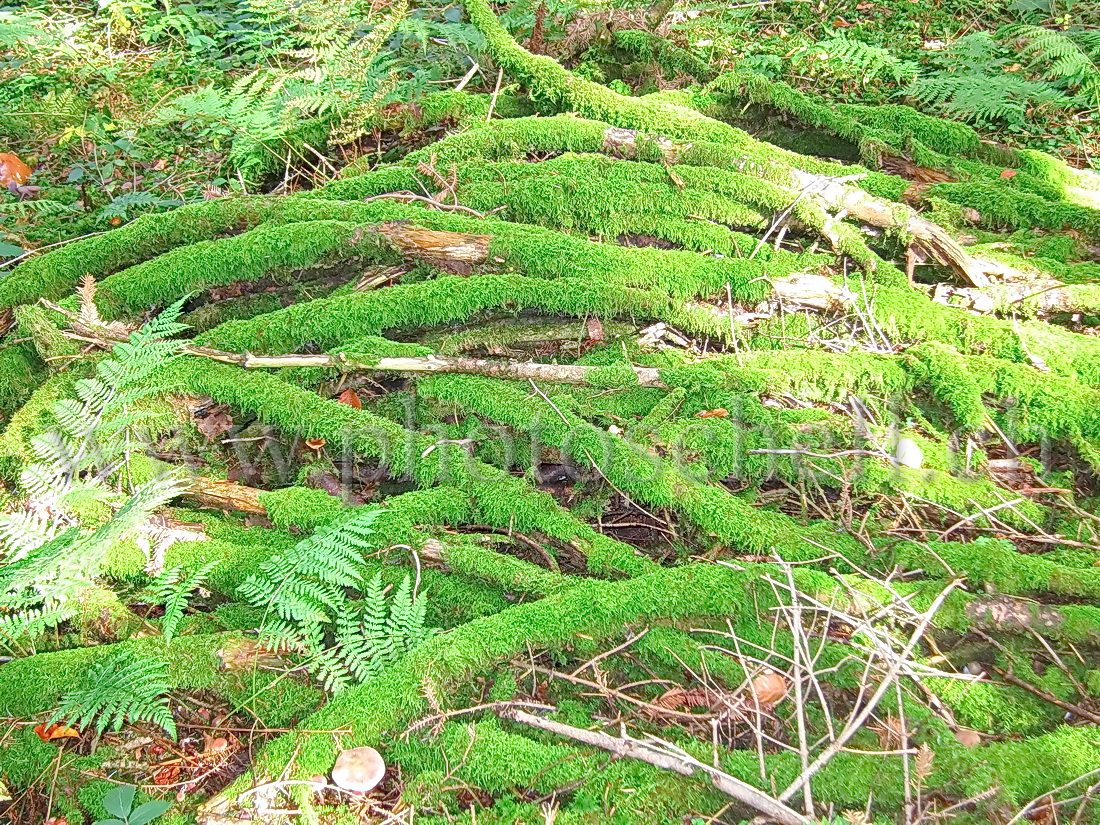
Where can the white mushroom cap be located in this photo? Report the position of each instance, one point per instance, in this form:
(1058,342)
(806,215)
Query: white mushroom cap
(358,769)
(908,454)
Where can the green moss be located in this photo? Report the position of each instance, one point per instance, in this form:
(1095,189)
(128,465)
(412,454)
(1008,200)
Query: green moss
(34,416)
(996,563)
(671,58)
(301,507)
(33,684)
(22,372)
(595,608)
(499,498)
(268,250)
(942,370)
(38,323)
(1003,205)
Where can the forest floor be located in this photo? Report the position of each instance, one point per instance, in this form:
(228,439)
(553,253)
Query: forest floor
(460,413)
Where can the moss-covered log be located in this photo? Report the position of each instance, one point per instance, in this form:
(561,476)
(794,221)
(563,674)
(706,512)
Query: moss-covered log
(648,411)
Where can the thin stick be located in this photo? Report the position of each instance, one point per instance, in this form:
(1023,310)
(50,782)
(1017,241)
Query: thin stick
(496,92)
(683,764)
(468,77)
(439,717)
(857,721)
(409,196)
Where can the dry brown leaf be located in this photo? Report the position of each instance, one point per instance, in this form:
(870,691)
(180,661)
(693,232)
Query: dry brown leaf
(48,733)
(214,423)
(925,757)
(351,398)
(167,775)
(769,689)
(891,734)
(595,330)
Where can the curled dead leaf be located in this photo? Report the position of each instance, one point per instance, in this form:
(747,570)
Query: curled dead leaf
(47,733)
(717,412)
(769,689)
(891,733)
(595,330)
(167,775)
(351,398)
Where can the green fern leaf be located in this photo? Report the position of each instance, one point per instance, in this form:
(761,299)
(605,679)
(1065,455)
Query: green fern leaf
(117,690)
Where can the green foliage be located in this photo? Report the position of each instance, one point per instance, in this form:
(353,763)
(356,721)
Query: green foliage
(119,802)
(985,99)
(1070,58)
(173,588)
(604,257)
(844,58)
(47,557)
(117,690)
(338,64)
(998,78)
(304,592)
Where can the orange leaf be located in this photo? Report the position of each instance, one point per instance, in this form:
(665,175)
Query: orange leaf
(841,23)
(717,412)
(13,170)
(1008,173)
(166,776)
(56,731)
(351,398)
(769,689)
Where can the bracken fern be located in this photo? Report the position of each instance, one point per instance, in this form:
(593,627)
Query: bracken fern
(117,690)
(47,558)
(340,640)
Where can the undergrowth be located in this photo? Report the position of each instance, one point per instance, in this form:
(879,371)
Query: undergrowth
(700,426)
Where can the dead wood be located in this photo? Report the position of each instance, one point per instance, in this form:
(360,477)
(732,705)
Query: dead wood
(681,763)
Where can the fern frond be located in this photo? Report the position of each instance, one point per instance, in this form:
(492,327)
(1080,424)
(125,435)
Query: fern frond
(117,690)
(173,588)
(1071,57)
(304,584)
(304,591)
(38,209)
(845,57)
(23,532)
(30,624)
(986,100)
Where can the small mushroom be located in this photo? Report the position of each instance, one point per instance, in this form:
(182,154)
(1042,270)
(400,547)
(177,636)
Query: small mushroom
(908,454)
(358,769)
